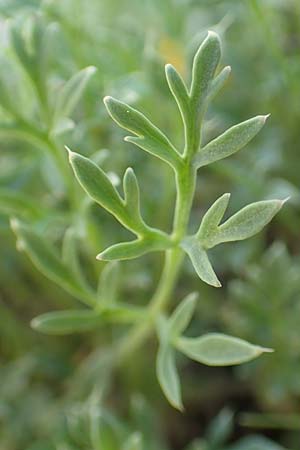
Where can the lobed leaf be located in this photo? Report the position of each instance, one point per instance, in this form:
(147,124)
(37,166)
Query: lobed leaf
(229,142)
(182,315)
(247,222)
(150,138)
(167,375)
(67,322)
(211,219)
(216,349)
(200,261)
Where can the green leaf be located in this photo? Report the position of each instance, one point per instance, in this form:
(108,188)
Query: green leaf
(67,322)
(216,349)
(71,92)
(109,284)
(70,256)
(134,249)
(211,220)
(18,44)
(134,442)
(229,142)
(167,375)
(150,138)
(48,262)
(220,429)
(204,66)
(182,315)
(247,222)
(200,261)
(97,185)
(124,313)
(17,203)
(178,89)
(132,195)
(218,82)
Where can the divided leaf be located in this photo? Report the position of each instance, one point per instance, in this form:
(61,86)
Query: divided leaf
(150,138)
(67,322)
(200,261)
(211,220)
(229,142)
(216,349)
(248,221)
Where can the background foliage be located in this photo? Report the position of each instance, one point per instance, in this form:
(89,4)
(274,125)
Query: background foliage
(50,386)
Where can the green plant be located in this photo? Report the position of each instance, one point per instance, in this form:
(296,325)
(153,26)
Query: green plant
(213,348)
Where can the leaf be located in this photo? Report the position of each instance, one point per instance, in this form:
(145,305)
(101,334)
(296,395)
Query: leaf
(248,221)
(109,284)
(132,195)
(17,203)
(218,82)
(200,261)
(67,322)
(134,249)
(229,142)
(97,184)
(124,313)
(204,66)
(178,89)
(71,92)
(167,375)
(19,47)
(216,349)
(70,255)
(256,442)
(211,219)
(220,429)
(182,315)
(48,262)
(150,138)
(134,442)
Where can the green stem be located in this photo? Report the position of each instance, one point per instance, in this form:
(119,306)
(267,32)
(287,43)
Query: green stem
(160,299)
(185,181)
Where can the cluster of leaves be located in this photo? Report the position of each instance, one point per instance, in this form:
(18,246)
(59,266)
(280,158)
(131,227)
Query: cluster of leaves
(38,191)
(265,304)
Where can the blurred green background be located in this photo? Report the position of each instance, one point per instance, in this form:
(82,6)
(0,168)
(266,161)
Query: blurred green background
(53,390)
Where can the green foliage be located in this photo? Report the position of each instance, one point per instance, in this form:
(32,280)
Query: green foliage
(89,390)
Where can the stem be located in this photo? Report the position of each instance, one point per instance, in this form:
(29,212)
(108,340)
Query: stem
(158,303)
(185,182)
